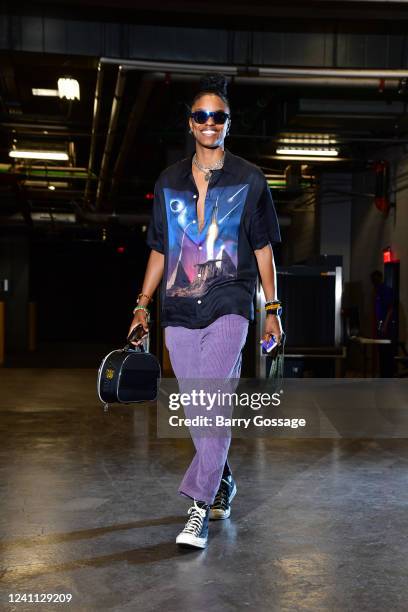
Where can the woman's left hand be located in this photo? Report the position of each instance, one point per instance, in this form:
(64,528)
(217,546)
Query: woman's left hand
(273,327)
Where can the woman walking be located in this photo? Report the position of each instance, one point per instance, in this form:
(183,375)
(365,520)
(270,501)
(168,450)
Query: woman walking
(212,229)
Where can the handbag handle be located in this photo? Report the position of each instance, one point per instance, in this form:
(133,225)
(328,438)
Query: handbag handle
(136,334)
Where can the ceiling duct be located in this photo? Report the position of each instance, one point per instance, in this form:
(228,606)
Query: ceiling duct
(251,74)
(110,137)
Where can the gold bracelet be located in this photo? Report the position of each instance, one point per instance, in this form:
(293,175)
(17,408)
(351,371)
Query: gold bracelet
(274,309)
(149,297)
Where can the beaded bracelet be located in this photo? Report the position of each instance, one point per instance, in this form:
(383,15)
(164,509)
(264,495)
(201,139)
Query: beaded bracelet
(141,308)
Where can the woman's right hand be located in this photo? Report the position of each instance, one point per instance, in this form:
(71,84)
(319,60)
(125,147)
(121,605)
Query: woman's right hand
(139,317)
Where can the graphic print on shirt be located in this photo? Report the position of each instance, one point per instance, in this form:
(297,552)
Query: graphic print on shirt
(193,270)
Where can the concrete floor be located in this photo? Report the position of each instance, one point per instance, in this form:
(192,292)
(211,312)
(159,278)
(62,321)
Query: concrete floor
(89,507)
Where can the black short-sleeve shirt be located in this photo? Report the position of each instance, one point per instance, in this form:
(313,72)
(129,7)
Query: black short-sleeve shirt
(212,272)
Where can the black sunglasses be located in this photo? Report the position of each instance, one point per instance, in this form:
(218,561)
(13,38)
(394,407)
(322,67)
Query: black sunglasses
(201,116)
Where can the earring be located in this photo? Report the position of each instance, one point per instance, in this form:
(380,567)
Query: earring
(190,131)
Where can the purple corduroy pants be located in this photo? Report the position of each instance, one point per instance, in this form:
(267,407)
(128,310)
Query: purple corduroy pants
(212,353)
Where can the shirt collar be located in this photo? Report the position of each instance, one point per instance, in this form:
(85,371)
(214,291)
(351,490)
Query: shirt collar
(227,167)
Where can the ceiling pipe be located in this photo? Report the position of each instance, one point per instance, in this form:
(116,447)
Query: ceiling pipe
(95,121)
(322,82)
(44,170)
(135,118)
(44,130)
(287,81)
(110,136)
(255,72)
(180,67)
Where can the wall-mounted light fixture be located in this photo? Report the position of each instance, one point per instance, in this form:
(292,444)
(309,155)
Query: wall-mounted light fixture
(68,88)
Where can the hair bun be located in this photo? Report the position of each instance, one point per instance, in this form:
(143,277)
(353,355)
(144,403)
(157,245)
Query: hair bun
(214,82)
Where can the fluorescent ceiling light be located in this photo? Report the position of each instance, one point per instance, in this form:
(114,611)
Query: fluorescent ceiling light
(308,152)
(45,184)
(44,92)
(314,158)
(310,140)
(51,155)
(68,88)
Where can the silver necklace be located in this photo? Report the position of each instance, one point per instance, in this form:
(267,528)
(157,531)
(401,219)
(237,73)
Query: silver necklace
(208,171)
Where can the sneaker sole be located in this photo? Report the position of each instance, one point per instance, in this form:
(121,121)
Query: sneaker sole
(220,515)
(185,539)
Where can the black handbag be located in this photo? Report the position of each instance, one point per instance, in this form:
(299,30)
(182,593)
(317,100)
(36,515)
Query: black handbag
(129,375)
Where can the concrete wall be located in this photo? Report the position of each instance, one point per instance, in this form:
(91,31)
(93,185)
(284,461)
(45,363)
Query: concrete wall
(399,241)
(300,239)
(14,266)
(372,232)
(301,243)
(335,217)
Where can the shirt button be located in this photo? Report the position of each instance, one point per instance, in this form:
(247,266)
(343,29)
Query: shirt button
(200,248)
(198,301)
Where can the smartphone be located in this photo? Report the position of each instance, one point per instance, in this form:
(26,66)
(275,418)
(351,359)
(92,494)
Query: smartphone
(269,345)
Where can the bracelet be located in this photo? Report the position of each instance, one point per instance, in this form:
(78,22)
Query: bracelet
(149,297)
(273,307)
(276,313)
(141,308)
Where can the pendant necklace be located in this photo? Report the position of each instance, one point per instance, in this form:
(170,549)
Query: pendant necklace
(208,171)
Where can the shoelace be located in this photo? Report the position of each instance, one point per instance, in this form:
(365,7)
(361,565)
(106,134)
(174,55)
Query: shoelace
(222,498)
(195,522)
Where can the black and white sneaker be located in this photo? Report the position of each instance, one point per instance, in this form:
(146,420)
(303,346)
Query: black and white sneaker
(195,532)
(221,508)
